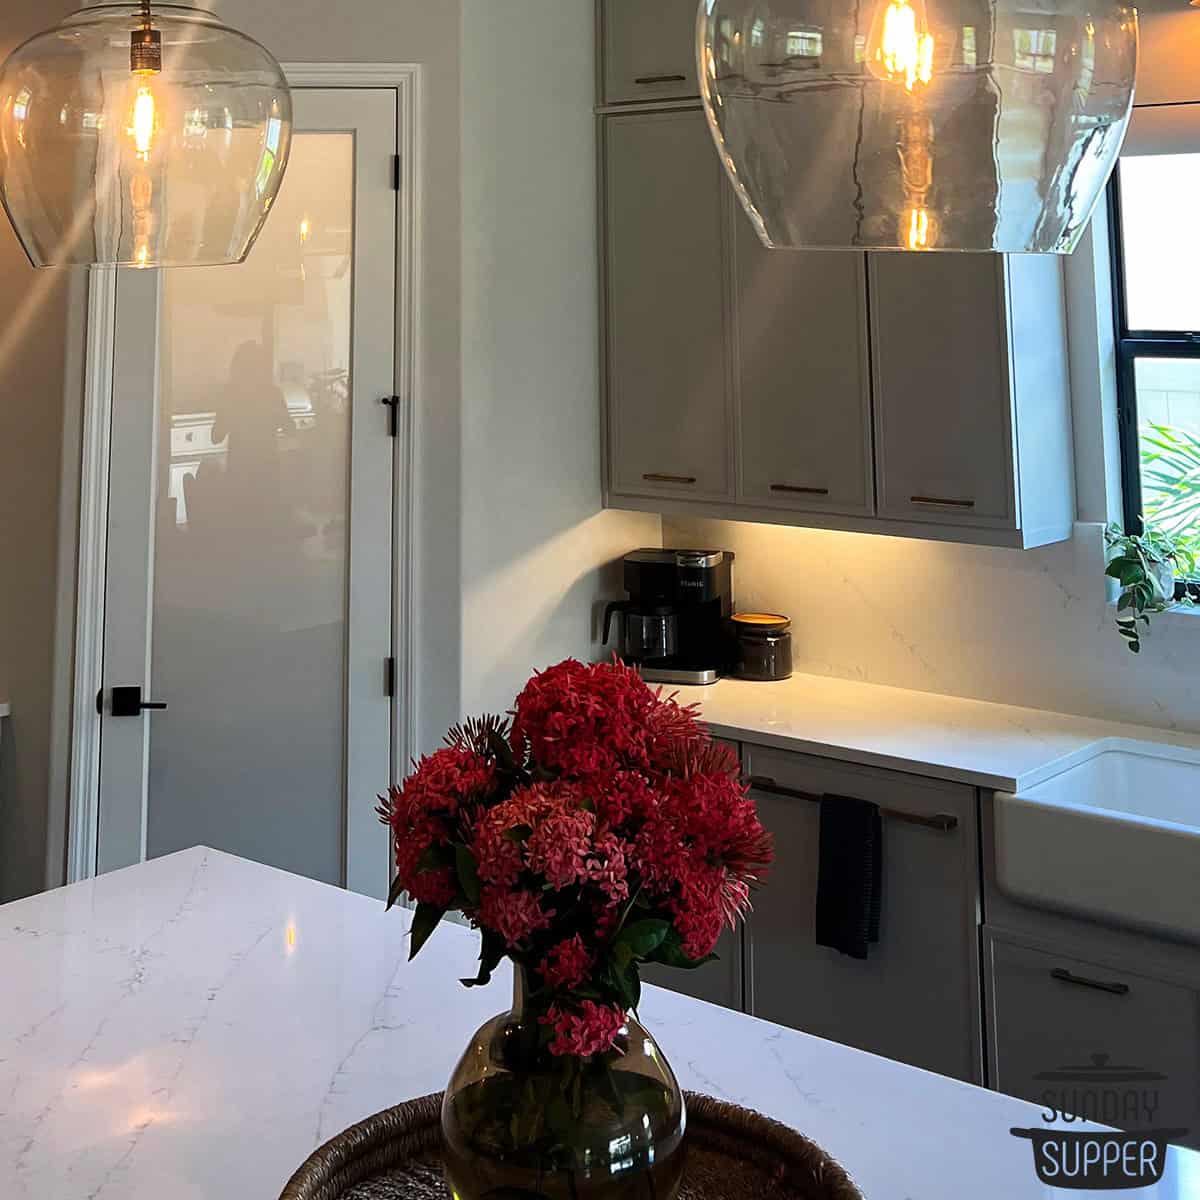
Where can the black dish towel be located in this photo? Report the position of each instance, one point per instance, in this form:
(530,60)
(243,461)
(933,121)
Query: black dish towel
(850,879)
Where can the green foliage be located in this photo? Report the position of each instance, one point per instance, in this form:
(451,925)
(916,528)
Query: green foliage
(426,920)
(1171,488)
(1135,562)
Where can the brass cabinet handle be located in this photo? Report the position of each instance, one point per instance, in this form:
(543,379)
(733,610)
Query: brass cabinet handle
(942,822)
(653,477)
(940,500)
(799,491)
(648,79)
(1099,985)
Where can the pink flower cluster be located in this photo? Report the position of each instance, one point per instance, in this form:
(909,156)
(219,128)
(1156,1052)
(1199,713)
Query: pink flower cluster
(604,804)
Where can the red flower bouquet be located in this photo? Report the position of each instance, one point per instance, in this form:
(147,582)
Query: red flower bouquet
(599,829)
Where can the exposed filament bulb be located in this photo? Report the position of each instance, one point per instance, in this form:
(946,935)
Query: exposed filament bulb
(144,122)
(900,48)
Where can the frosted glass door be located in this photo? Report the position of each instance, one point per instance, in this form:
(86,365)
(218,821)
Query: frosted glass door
(269,582)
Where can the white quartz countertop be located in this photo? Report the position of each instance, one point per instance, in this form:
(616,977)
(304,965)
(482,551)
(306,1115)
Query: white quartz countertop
(997,746)
(194,1027)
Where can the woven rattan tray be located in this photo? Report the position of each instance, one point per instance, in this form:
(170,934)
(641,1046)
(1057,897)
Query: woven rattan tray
(733,1154)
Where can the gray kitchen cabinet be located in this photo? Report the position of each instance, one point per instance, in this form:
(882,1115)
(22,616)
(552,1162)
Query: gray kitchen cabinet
(1070,1034)
(667,362)
(972,398)
(916,997)
(648,50)
(801,377)
(913,395)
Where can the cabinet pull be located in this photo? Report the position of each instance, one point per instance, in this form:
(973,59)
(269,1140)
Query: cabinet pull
(1099,985)
(654,477)
(649,79)
(943,502)
(800,491)
(942,822)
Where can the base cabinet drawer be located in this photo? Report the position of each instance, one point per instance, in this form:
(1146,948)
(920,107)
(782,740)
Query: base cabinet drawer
(717,982)
(916,997)
(1082,1037)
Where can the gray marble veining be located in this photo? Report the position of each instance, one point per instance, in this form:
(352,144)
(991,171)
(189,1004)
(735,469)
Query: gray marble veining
(193,1027)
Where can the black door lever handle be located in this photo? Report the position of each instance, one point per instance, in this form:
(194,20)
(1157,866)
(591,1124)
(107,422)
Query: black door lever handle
(128,702)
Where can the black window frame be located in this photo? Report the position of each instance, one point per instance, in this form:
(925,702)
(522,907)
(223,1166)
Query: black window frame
(1132,344)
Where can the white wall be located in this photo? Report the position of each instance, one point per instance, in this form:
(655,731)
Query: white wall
(538,553)
(36,379)
(1031,628)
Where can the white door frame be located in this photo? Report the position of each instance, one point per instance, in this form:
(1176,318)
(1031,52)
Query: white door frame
(86,720)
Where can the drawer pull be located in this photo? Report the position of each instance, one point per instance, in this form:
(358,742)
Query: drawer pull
(799,491)
(943,502)
(654,477)
(942,822)
(1099,985)
(646,80)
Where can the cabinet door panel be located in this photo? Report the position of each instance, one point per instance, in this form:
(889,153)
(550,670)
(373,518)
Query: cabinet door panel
(803,392)
(667,366)
(649,49)
(944,440)
(915,999)
(1057,1016)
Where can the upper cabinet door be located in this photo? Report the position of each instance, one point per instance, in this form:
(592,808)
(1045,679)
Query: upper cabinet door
(667,358)
(802,377)
(649,49)
(943,403)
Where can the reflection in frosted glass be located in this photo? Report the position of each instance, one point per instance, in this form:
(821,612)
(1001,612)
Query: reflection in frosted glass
(1162,242)
(251,560)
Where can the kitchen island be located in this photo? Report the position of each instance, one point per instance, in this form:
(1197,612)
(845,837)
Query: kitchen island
(194,1026)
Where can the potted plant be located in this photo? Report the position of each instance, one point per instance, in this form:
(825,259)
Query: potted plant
(1145,566)
(599,829)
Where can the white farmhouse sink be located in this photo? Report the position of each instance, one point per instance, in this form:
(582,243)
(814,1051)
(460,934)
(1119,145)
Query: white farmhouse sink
(1115,836)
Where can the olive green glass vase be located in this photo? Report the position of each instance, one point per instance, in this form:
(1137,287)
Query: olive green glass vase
(521,1124)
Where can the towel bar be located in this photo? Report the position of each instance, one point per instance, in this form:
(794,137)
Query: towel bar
(942,822)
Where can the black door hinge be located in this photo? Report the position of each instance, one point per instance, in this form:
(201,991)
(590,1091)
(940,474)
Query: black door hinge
(396,172)
(389,677)
(392,404)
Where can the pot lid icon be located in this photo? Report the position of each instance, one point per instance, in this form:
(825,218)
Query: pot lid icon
(1100,1070)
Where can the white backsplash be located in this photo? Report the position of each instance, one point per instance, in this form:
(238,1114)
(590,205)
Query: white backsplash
(1019,627)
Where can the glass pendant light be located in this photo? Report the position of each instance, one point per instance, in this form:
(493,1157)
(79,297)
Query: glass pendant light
(988,125)
(141,136)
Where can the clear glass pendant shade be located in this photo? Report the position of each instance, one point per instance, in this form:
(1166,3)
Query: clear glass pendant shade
(141,141)
(988,125)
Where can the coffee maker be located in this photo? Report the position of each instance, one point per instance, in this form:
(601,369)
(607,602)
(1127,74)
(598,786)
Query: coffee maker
(675,624)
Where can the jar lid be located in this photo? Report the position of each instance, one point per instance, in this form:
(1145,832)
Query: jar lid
(762,622)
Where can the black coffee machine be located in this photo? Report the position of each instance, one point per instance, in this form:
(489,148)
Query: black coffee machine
(675,624)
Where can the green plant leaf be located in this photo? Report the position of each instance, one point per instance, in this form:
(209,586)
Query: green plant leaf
(492,949)
(424,923)
(643,937)
(467,870)
(500,750)
(394,893)
(670,954)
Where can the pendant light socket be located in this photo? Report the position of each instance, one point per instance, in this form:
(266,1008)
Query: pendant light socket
(145,51)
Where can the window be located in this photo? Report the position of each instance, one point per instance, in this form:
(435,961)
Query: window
(1033,49)
(969,53)
(1156,268)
